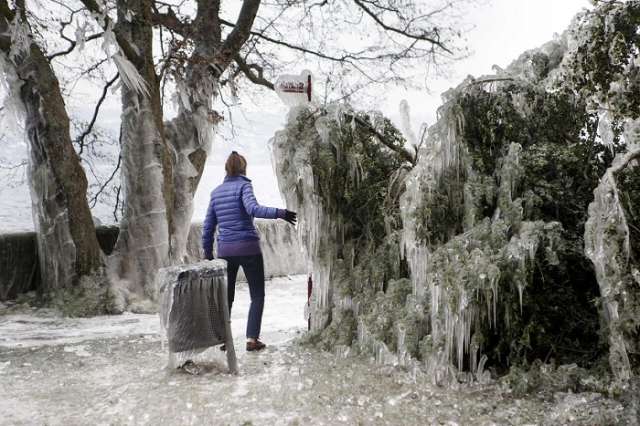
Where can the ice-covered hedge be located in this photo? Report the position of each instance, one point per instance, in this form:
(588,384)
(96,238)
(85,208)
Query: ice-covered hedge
(471,254)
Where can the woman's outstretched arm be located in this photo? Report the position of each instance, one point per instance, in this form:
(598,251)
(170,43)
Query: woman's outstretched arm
(256,210)
(209,227)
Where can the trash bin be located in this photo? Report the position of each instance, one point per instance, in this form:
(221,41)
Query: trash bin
(194,311)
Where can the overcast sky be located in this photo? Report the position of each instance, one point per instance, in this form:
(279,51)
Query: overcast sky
(503,29)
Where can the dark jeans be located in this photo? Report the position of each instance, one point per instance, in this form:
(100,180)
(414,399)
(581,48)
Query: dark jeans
(253,267)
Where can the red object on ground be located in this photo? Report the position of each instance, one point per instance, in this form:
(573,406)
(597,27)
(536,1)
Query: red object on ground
(309,290)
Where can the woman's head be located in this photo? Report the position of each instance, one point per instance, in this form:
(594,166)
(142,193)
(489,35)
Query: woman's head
(236,165)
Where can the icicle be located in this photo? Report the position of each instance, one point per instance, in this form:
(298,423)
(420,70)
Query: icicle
(14,113)
(81,35)
(20,35)
(128,72)
(130,75)
(405,120)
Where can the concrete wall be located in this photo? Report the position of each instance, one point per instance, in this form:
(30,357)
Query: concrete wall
(20,272)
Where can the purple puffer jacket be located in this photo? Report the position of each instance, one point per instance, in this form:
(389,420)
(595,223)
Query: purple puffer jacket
(232,209)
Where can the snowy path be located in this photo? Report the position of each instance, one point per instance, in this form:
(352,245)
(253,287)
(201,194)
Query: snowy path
(111,370)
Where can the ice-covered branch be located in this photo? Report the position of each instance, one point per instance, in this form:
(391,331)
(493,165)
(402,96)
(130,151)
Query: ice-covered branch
(107,23)
(405,154)
(621,163)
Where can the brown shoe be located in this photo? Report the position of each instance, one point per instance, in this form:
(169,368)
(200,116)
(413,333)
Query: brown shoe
(255,346)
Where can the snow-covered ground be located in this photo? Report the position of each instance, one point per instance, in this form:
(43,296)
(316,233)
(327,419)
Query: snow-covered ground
(112,370)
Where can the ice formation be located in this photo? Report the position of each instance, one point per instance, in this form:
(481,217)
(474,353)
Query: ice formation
(283,255)
(484,220)
(127,71)
(57,181)
(607,244)
(189,136)
(459,277)
(317,232)
(143,243)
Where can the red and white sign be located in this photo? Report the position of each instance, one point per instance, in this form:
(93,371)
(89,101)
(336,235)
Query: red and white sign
(295,90)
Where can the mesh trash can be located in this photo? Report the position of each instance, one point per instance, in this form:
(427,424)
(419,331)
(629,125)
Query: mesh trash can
(194,311)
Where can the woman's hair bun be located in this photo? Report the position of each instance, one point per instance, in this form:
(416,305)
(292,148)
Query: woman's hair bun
(236,164)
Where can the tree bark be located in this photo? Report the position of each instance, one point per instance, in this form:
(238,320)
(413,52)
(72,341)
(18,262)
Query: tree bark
(67,245)
(191,132)
(143,244)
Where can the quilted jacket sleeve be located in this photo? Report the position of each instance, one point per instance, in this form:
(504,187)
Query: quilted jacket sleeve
(208,229)
(256,210)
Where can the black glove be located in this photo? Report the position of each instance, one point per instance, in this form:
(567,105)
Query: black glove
(290,216)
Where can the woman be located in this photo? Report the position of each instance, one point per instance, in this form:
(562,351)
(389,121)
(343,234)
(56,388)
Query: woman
(232,208)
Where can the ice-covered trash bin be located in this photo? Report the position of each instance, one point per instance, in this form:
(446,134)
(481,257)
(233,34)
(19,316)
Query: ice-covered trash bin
(194,311)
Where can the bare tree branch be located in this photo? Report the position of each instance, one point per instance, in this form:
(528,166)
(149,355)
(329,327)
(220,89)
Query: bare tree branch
(72,45)
(253,77)
(94,199)
(170,21)
(239,35)
(403,32)
(302,49)
(87,131)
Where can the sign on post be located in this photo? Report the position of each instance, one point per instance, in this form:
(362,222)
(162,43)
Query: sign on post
(295,90)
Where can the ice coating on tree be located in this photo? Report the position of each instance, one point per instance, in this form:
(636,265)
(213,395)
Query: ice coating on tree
(405,119)
(70,262)
(190,133)
(607,244)
(128,72)
(13,113)
(143,242)
(461,278)
(20,38)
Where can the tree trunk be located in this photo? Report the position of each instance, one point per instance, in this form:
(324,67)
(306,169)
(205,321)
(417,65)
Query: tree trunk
(190,135)
(191,132)
(143,244)
(67,245)
(163,163)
